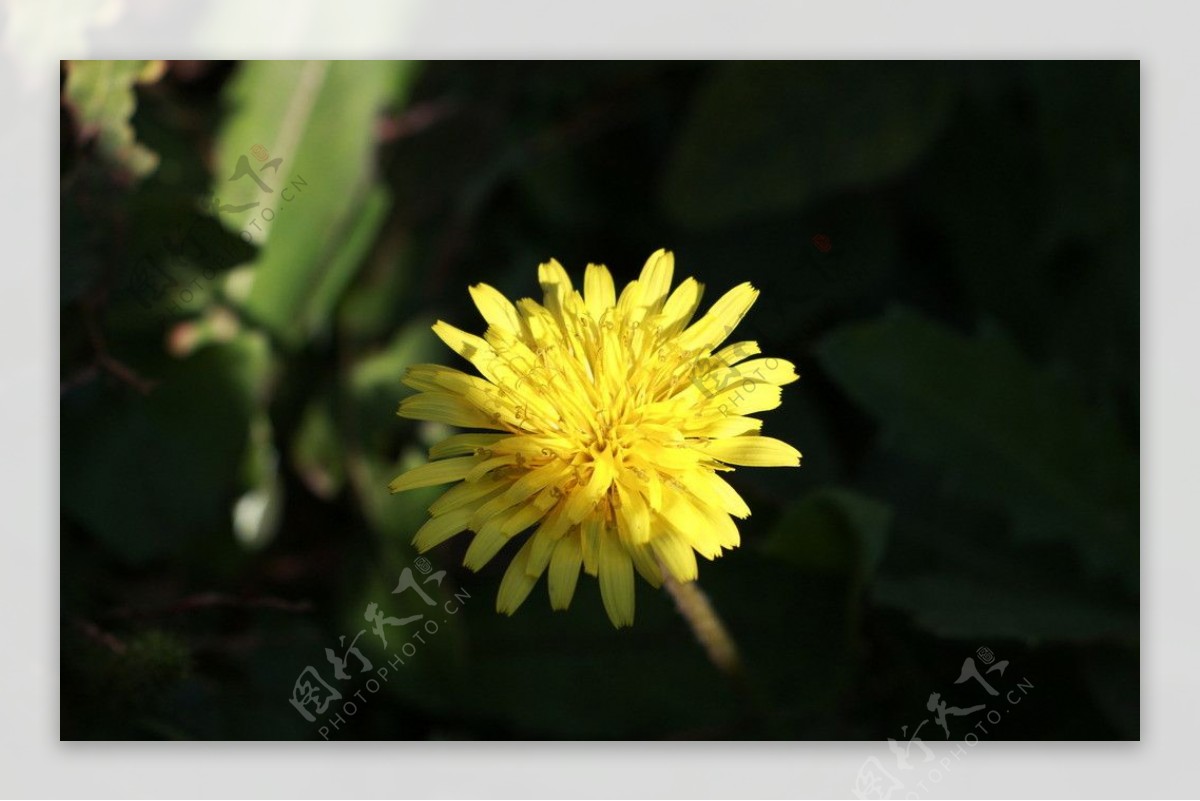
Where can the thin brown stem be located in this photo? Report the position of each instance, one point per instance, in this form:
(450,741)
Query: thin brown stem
(105,360)
(214,600)
(706,624)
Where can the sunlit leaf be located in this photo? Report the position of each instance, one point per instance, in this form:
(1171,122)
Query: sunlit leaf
(297,173)
(317,450)
(102,97)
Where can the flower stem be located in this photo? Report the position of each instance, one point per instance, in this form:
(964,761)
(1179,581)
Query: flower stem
(706,624)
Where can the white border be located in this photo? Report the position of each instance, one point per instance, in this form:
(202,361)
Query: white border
(37,33)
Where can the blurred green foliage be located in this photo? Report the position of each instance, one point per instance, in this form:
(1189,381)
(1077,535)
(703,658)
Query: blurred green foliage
(252,253)
(101,96)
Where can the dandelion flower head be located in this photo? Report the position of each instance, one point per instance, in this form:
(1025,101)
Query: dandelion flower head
(609,422)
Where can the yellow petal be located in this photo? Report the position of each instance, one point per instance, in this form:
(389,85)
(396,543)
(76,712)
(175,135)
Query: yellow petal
(671,458)
(441,528)
(497,310)
(655,279)
(442,407)
(616,581)
(654,490)
(633,516)
(591,532)
(646,564)
(517,582)
(753,452)
(463,444)
(679,308)
(713,489)
(524,517)
(431,474)
(556,285)
(564,570)
(538,479)
(487,543)
(773,371)
(542,547)
(694,523)
(554,524)
(747,397)
(718,425)
(438,378)
(467,493)
(584,498)
(724,316)
(598,290)
(532,482)
(737,352)
(485,466)
(675,554)
(469,346)
(726,497)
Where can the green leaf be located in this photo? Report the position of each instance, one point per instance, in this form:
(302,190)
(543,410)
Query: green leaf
(299,145)
(377,298)
(101,95)
(437,661)
(372,391)
(983,192)
(1008,606)
(571,674)
(258,512)
(832,529)
(1000,430)
(147,474)
(951,564)
(766,137)
(317,451)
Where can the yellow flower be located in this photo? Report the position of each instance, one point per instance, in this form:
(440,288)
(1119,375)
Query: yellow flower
(614,418)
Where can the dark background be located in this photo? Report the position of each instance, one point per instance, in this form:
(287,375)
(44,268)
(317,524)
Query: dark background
(947,251)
